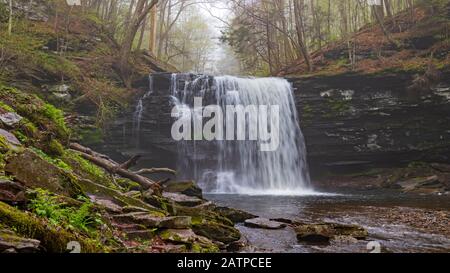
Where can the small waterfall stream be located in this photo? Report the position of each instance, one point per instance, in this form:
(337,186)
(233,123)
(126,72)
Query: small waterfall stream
(236,166)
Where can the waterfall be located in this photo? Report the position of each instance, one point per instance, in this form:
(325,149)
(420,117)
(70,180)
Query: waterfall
(239,166)
(137,115)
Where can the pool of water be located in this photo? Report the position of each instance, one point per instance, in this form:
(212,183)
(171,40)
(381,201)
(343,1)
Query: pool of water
(384,213)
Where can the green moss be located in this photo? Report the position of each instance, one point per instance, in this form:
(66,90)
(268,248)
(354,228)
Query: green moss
(56,116)
(6,107)
(90,187)
(198,248)
(53,239)
(44,115)
(55,148)
(4,144)
(55,161)
(87,169)
(337,107)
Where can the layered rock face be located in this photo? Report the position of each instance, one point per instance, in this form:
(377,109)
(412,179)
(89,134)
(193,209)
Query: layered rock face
(353,121)
(350,122)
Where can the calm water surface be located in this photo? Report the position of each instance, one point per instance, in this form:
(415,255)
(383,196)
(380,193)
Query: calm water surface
(365,208)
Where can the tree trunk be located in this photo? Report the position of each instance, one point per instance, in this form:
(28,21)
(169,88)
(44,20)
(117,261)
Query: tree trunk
(125,50)
(152,37)
(10,17)
(298,6)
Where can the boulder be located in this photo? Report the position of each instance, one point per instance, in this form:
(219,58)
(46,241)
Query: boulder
(264,223)
(235,215)
(10,119)
(33,171)
(183,200)
(325,232)
(216,232)
(11,243)
(12,192)
(188,188)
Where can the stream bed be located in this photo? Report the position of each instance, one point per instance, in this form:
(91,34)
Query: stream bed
(396,222)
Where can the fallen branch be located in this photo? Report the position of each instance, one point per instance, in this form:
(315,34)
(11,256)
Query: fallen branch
(156,170)
(113,167)
(131,162)
(86,150)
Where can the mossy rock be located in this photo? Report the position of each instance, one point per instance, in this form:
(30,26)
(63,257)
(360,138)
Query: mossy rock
(33,171)
(216,232)
(35,110)
(87,170)
(188,188)
(194,242)
(54,240)
(199,215)
(235,215)
(91,188)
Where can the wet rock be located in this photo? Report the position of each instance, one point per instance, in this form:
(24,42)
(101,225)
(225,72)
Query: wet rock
(325,232)
(12,192)
(183,200)
(237,245)
(35,172)
(263,223)
(235,215)
(188,188)
(11,243)
(429,184)
(10,119)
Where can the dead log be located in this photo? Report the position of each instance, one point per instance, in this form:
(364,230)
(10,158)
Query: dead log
(156,170)
(86,150)
(113,167)
(131,162)
(145,182)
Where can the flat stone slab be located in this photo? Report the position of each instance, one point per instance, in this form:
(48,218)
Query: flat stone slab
(263,223)
(149,221)
(107,204)
(183,200)
(10,242)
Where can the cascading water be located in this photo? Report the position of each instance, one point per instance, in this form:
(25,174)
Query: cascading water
(137,116)
(224,166)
